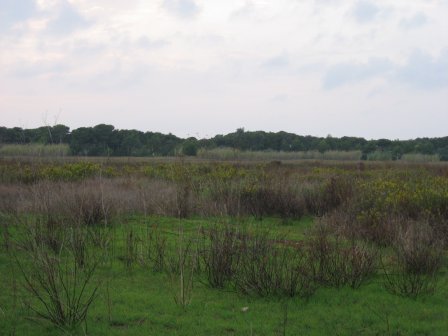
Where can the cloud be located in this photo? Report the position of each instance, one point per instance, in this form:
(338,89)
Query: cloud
(345,73)
(38,69)
(13,11)
(182,8)
(280,98)
(416,21)
(421,71)
(277,62)
(365,11)
(425,72)
(145,42)
(247,9)
(67,20)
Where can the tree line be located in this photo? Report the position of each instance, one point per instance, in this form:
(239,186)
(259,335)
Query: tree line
(106,140)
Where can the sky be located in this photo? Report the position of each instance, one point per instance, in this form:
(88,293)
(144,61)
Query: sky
(368,68)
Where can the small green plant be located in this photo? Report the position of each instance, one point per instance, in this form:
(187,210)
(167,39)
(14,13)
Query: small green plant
(182,270)
(157,246)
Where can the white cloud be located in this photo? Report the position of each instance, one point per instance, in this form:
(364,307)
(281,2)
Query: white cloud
(416,21)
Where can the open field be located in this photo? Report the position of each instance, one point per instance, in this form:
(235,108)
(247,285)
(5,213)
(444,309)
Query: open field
(197,247)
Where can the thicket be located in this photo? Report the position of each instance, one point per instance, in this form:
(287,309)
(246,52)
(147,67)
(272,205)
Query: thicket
(105,140)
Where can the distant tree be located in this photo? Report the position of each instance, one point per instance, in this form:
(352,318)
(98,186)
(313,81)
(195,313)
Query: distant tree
(60,133)
(190,147)
(443,153)
(323,146)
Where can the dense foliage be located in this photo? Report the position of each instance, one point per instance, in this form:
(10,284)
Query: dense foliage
(105,140)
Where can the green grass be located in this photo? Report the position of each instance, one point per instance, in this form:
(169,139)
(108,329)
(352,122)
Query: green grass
(141,302)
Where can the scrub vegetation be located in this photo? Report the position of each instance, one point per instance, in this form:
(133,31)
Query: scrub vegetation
(106,140)
(196,247)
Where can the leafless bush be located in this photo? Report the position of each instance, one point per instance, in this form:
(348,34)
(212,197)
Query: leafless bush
(322,197)
(9,210)
(60,291)
(219,252)
(267,201)
(416,262)
(383,232)
(220,198)
(10,199)
(77,243)
(337,263)
(89,203)
(157,197)
(267,268)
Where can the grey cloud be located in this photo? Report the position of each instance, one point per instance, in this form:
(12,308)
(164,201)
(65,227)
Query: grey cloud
(182,8)
(416,21)
(84,48)
(277,62)
(36,69)
(424,72)
(145,42)
(365,11)
(68,20)
(342,74)
(421,72)
(13,11)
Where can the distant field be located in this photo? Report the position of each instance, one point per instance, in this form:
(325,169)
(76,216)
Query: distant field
(203,247)
(220,154)
(35,150)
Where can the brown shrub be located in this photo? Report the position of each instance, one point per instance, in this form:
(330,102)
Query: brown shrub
(416,261)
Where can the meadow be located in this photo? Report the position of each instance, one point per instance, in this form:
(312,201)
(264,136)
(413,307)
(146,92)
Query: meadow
(103,246)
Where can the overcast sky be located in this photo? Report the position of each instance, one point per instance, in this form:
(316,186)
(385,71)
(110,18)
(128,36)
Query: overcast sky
(370,68)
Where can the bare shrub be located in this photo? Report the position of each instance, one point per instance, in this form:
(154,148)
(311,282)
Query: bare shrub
(157,197)
(416,262)
(269,201)
(267,268)
(88,203)
(337,191)
(323,197)
(337,263)
(60,291)
(77,243)
(347,222)
(312,196)
(9,211)
(219,252)
(220,197)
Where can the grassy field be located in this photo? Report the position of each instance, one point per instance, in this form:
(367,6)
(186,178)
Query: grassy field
(138,300)
(203,248)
